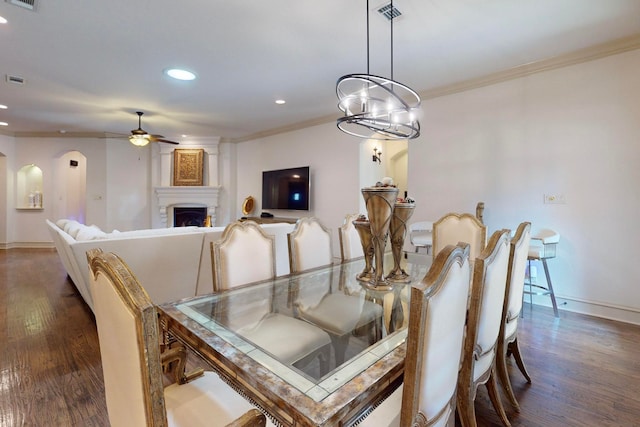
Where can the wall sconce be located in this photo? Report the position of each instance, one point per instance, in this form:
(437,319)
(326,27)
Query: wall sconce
(376,155)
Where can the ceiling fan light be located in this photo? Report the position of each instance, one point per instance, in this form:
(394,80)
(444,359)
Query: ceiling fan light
(139,140)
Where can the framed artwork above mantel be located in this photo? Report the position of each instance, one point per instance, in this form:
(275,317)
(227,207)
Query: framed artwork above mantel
(188,166)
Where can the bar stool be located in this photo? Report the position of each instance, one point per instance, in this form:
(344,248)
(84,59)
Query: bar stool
(543,247)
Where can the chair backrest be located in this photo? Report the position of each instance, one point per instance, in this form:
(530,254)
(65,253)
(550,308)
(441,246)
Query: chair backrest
(485,306)
(350,245)
(519,250)
(309,245)
(127,323)
(244,254)
(454,227)
(434,344)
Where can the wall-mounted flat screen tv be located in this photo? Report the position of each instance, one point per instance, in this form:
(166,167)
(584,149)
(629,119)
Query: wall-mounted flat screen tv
(286,189)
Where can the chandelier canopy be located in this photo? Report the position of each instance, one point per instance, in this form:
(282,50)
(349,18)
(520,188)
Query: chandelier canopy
(377,107)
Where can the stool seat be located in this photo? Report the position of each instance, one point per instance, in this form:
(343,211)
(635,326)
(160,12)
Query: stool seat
(421,235)
(543,246)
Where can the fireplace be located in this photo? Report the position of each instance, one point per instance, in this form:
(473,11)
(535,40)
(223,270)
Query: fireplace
(170,197)
(185,217)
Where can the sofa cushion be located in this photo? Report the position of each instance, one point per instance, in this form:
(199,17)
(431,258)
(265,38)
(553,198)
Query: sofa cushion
(115,234)
(73,227)
(90,232)
(61,223)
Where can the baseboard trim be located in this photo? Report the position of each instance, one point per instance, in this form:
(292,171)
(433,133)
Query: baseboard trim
(609,311)
(27,245)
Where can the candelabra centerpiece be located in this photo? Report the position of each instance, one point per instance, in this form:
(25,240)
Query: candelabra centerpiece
(402,211)
(380,200)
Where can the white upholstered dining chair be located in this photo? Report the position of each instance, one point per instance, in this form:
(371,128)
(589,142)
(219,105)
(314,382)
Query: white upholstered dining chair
(132,363)
(330,307)
(350,245)
(483,328)
(454,227)
(242,243)
(434,346)
(245,254)
(309,245)
(508,338)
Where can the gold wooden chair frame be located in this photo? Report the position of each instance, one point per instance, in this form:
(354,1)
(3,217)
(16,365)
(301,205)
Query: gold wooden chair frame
(434,346)
(350,245)
(508,340)
(483,327)
(129,337)
(309,245)
(248,240)
(455,227)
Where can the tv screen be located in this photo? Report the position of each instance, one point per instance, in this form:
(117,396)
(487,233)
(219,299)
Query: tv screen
(286,189)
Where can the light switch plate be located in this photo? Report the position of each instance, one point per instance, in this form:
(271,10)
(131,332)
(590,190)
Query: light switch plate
(555,199)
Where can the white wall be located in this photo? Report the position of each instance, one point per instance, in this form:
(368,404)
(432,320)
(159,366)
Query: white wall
(574,132)
(7,172)
(129,190)
(333,160)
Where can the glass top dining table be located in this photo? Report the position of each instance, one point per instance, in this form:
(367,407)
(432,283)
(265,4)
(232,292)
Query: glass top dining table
(364,359)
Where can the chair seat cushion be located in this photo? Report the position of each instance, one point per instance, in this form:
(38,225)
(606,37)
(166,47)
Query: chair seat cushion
(202,401)
(286,338)
(483,365)
(337,313)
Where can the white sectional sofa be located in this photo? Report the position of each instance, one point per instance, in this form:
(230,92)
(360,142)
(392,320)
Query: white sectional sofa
(170,263)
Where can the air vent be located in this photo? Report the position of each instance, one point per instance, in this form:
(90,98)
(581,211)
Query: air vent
(27,4)
(15,80)
(389,12)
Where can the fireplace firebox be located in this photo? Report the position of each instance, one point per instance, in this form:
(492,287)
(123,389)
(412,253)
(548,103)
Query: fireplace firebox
(185,217)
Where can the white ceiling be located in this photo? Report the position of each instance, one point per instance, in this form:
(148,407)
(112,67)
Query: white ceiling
(90,64)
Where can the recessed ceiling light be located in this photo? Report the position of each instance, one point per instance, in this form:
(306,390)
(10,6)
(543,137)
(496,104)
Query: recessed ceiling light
(3,107)
(4,124)
(179,74)
(280,101)
(3,20)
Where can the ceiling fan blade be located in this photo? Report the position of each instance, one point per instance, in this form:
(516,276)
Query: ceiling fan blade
(160,138)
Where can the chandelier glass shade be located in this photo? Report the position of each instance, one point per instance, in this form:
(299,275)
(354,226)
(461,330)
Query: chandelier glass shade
(377,107)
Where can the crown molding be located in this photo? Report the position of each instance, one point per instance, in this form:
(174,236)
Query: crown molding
(583,55)
(613,47)
(65,135)
(284,129)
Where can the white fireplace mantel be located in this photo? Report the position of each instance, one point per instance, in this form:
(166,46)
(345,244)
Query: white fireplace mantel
(187,196)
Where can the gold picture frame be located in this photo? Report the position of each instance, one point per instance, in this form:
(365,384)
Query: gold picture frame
(188,165)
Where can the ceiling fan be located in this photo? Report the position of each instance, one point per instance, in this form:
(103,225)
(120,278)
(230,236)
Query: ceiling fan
(141,138)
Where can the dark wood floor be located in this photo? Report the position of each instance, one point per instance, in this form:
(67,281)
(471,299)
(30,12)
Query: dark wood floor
(585,370)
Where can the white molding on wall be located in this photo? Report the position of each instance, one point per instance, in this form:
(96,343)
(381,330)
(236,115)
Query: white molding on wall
(583,55)
(591,308)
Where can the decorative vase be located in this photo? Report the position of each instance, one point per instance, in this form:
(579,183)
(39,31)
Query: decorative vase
(363,227)
(380,202)
(402,211)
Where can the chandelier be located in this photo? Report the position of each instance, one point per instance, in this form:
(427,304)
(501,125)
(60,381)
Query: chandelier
(377,107)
